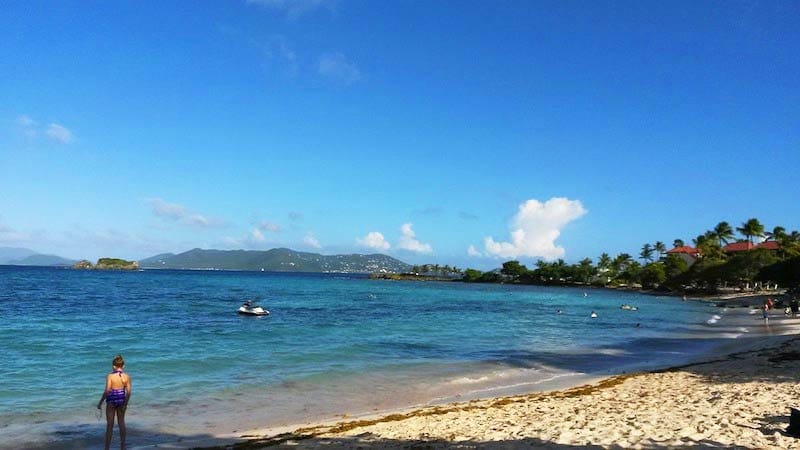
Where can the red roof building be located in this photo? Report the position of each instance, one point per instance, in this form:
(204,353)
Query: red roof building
(688,254)
(769,245)
(744,246)
(684,250)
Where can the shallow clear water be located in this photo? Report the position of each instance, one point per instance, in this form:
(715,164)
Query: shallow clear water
(333,344)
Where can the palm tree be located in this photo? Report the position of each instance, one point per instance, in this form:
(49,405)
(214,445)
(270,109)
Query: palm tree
(777,234)
(699,240)
(586,270)
(660,248)
(723,232)
(646,253)
(604,263)
(751,229)
(708,245)
(620,262)
(678,243)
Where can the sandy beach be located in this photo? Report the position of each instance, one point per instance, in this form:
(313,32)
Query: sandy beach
(739,400)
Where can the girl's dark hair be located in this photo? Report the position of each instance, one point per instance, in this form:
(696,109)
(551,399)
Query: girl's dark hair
(118,361)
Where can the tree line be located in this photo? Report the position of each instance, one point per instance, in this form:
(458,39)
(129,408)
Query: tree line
(707,268)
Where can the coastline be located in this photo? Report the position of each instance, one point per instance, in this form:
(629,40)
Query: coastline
(739,396)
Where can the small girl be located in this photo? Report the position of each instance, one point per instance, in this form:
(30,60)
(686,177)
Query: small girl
(117,394)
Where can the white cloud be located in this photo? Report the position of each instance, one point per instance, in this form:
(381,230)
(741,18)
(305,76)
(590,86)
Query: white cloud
(471,251)
(59,133)
(311,241)
(535,228)
(180,213)
(408,241)
(375,240)
(25,121)
(336,66)
(257,235)
(292,8)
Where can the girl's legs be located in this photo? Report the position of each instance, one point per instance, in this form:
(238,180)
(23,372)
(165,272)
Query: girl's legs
(109,424)
(121,421)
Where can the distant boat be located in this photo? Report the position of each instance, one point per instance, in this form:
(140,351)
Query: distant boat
(629,307)
(249,309)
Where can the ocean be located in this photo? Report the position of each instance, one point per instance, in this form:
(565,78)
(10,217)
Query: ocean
(334,344)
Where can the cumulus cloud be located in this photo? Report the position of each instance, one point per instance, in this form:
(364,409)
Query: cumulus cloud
(292,8)
(59,133)
(374,240)
(471,251)
(311,241)
(179,213)
(337,67)
(408,241)
(535,228)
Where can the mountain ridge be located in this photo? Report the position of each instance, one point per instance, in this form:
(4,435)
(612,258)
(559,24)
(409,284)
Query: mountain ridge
(17,256)
(275,260)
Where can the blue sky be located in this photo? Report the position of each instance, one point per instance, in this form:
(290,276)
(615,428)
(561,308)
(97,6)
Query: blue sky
(466,133)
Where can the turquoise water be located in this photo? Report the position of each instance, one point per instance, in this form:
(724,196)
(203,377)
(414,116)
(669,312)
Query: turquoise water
(333,344)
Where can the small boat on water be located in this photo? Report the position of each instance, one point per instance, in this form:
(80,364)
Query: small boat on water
(629,307)
(250,309)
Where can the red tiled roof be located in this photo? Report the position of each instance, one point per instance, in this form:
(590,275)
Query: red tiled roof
(744,246)
(738,247)
(684,249)
(769,245)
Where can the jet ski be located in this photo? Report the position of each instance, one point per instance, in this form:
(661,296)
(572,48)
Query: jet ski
(250,309)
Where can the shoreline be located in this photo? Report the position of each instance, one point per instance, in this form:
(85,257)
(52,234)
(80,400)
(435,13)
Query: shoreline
(431,425)
(383,431)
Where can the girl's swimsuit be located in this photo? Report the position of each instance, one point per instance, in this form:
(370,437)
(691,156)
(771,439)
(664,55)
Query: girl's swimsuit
(116,397)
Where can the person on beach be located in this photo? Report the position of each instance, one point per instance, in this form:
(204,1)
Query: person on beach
(117,394)
(765,313)
(794,305)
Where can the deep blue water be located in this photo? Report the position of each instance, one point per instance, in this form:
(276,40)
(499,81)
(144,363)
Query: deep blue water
(333,343)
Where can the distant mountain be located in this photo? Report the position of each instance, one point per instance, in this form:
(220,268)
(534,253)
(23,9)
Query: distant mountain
(275,260)
(11,253)
(42,260)
(26,257)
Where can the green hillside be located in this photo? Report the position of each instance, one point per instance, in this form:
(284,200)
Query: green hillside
(275,260)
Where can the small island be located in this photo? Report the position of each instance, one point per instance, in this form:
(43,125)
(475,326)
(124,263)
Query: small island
(107,264)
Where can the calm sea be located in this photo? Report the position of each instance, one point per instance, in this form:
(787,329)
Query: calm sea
(333,344)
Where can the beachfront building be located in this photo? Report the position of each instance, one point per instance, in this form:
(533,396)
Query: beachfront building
(744,246)
(688,254)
